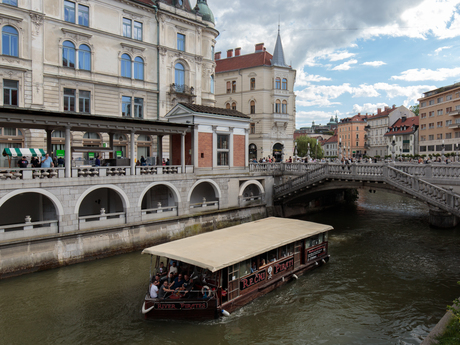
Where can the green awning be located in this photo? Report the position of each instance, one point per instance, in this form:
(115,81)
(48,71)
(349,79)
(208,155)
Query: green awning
(23,152)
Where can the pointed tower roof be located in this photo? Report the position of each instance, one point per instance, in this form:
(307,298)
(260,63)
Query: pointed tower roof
(278,55)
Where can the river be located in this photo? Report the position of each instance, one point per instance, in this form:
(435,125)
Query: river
(389,280)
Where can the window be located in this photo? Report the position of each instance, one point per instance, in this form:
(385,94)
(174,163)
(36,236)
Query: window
(448,135)
(84,99)
(227,106)
(69,11)
(234,86)
(423,138)
(127,27)
(229,87)
(439,124)
(448,122)
(431,102)
(11,2)
(440,99)
(212,84)
(181,42)
(137,31)
(84,57)
(138,68)
(68,54)
(448,97)
(439,136)
(431,125)
(431,137)
(423,127)
(69,100)
(222,149)
(179,78)
(423,115)
(233,106)
(253,107)
(457,107)
(431,113)
(277,83)
(253,128)
(284,84)
(284,107)
(253,84)
(10,41)
(10,92)
(457,134)
(423,104)
(126,66)
(278,106)
(126,106)
(138,107)
(439,112)
(448,110)
(83,15)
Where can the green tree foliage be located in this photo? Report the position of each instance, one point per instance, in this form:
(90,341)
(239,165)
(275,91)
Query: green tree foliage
(302,147)
(414,109)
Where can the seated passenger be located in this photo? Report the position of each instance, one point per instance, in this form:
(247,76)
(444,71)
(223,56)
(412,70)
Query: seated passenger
(164,290)
(171,278)
(262,263)
(253,267)
(154,289)
(173,268)
(178,282)
(162,270)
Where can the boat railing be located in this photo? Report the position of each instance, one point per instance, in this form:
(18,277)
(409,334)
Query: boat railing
(177,296)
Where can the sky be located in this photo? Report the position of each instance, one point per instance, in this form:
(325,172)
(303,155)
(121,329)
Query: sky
(351,56)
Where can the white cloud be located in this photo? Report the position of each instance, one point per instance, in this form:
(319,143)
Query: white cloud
(305,118)
(368,108)
(304,79)
(340,55)
(428,74)
(374,63)
(345,66)
(437,51)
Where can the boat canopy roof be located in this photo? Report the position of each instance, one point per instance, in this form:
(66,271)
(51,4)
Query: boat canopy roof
(222,248)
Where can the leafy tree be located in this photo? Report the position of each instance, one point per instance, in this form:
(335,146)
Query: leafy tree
(302,147)
(414,109)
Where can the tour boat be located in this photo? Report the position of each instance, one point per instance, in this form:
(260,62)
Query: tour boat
(233,266)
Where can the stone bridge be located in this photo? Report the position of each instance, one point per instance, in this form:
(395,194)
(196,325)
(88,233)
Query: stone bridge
(433,184)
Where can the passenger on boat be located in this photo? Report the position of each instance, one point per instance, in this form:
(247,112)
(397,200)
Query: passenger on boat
(178,282)
(262,263)
(162,270)
(254,267)
(173,268)
(154,289)
(164,290)
(171,278)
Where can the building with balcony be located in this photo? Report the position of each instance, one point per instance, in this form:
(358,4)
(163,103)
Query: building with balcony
(102,58)
(377,127)
(404,135)
(260,85)
(439,113)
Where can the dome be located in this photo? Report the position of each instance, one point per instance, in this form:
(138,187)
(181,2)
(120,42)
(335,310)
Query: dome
(205,11)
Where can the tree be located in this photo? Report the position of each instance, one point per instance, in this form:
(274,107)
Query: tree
(302,147)
(414,109)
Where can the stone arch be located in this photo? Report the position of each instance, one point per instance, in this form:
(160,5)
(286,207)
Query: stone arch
(121,193)
(56,202)
(251,182)
(213,184)
(175,191)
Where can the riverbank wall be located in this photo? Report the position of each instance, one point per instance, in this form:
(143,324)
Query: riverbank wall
(58,250)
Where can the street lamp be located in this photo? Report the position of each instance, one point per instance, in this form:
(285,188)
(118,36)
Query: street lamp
(340,149)
(295,151)
(456,152)
(308,153)
(316,151)
(443,158)
(393,143)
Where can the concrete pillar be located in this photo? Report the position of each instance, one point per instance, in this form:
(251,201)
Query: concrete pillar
(159,149)
(111,145)
(182,153)
(442,219)
(49,147)
(230,148)
(68,153)
(214,146)
(132,154)
(246,148)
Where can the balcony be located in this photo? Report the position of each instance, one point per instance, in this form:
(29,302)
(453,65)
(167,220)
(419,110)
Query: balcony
(184,90)
(454,113)
(367,127)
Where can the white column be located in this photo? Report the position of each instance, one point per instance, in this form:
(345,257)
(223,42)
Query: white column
(68,153)
(131,155)
(214,146)
(230,148)
(182,153)
(246,148)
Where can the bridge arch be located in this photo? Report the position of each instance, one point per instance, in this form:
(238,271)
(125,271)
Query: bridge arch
(121,194)
(175,192)
(250,183)
(200,191)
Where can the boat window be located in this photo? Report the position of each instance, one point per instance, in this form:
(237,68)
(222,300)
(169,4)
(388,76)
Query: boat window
(290,249)
(320,238)
(273,255)
(233,272)
(245,267)
(263,259)
(311,241)
(326,236)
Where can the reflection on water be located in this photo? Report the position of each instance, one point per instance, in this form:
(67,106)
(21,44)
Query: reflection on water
(388,282)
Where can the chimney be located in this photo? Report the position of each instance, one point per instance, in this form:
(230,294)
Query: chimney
(217,55)
(259,47)
(237,51)
(230,53)
(379,110)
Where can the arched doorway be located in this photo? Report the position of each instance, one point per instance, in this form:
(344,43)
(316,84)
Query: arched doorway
(278,152)
(252,152)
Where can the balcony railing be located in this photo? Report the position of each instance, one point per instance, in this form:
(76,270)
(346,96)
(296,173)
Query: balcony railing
(183,89)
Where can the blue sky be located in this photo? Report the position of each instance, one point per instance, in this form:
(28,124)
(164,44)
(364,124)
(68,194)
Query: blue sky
(351,56)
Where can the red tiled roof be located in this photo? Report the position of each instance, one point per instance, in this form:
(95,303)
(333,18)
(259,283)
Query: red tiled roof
(213,110)
(244,61)
(410,125)
(331,140)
